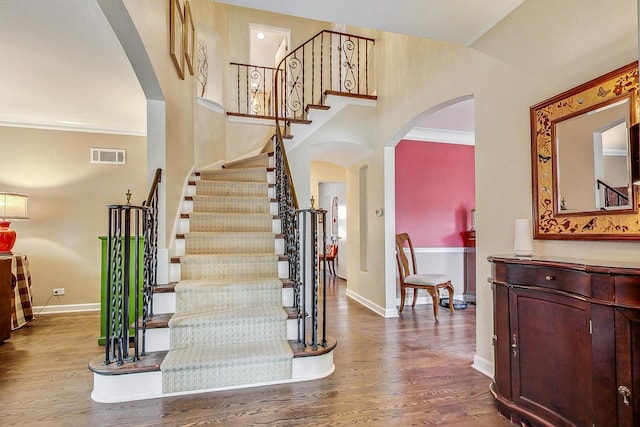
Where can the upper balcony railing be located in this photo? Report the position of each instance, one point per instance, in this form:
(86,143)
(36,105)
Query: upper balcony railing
(328,63)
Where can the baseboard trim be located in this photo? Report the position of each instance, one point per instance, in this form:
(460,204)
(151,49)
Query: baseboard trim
(367,303)
(65,308)
(483,365)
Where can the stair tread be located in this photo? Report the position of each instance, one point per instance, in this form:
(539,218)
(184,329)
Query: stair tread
(178,259)
(152,361)
(164,288)
(157,321)
(317,107)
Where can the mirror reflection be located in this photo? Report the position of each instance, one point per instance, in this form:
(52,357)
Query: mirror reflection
(592,166)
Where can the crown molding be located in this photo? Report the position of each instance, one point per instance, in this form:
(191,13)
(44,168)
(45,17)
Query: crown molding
(441,135)
(72,128)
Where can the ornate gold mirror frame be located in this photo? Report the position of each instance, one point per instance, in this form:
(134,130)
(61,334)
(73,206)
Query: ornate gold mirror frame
(549,221)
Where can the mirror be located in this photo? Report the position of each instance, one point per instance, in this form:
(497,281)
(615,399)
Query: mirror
(584,160)
(593,166)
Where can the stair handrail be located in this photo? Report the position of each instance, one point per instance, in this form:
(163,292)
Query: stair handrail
(620,196)
(137,224)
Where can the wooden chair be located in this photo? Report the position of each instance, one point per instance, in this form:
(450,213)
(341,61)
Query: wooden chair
(409,277)
(330,253)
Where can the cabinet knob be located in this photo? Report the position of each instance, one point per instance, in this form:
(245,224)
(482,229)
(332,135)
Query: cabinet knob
(549,278)
(625,392)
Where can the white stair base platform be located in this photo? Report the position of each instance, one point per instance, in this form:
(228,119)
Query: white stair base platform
(148,385)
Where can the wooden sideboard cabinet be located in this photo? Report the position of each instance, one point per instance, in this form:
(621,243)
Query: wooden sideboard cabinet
(566,341)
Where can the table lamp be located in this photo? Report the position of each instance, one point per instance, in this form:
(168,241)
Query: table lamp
(13,206)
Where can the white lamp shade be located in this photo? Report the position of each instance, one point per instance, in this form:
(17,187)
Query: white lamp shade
(13,206)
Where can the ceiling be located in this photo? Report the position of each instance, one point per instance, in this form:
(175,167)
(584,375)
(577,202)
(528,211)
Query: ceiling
(457,21)
(67,69)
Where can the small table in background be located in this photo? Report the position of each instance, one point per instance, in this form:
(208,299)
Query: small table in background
(469,239)
(21,304)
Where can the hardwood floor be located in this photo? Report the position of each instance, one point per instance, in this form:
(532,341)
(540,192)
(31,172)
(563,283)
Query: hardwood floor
(389,372)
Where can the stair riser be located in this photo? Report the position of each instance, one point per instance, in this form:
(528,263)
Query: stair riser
(231,272)
(175,271)
(228,175)
(158,339)
(191,191)
(225,376)
(238,244)
(187,207)
(227,299)
(279,245)
(223,332)
(166,302)
(183,227)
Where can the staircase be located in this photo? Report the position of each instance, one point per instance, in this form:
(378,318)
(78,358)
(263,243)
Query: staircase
(235,313)
(228,322)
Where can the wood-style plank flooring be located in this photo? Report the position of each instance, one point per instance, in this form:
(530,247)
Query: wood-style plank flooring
(389,372)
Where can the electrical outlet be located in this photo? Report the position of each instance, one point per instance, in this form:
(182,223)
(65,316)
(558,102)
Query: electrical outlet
(58,291)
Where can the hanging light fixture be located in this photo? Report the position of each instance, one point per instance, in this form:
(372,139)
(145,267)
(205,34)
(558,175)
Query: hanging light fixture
(13,206)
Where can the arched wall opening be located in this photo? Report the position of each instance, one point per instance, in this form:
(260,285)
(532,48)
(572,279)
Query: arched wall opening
(431,133)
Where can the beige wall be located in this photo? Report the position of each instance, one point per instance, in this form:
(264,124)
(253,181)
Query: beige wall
(209,133)
(151,18)
(68,196)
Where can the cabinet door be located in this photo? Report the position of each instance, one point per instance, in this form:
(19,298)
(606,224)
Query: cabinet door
(551,356)
(501,342)
(628,366)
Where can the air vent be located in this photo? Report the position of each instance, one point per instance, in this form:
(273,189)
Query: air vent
(108,155)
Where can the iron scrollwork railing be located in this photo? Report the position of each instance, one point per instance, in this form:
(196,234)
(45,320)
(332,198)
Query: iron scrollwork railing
(309,295)
(300,229)
(329,62)
(132,238)
(612,196)
(150,253)
(254,90)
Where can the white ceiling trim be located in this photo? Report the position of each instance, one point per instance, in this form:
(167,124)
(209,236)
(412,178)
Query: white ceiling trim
(72,128)
(441,135)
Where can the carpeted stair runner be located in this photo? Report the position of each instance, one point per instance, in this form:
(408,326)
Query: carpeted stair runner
(229,327)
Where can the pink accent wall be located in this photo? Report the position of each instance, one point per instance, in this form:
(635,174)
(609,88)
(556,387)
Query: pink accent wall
(435,192)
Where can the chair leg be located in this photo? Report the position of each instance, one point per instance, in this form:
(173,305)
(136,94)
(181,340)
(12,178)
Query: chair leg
(435,296)
(415,297)
(403,293)
(449,287)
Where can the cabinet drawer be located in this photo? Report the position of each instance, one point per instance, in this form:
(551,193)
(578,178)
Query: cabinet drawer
(575,282)
(628,291)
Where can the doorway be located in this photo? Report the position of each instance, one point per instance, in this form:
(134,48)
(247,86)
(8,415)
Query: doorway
(268,45)
(332,197)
